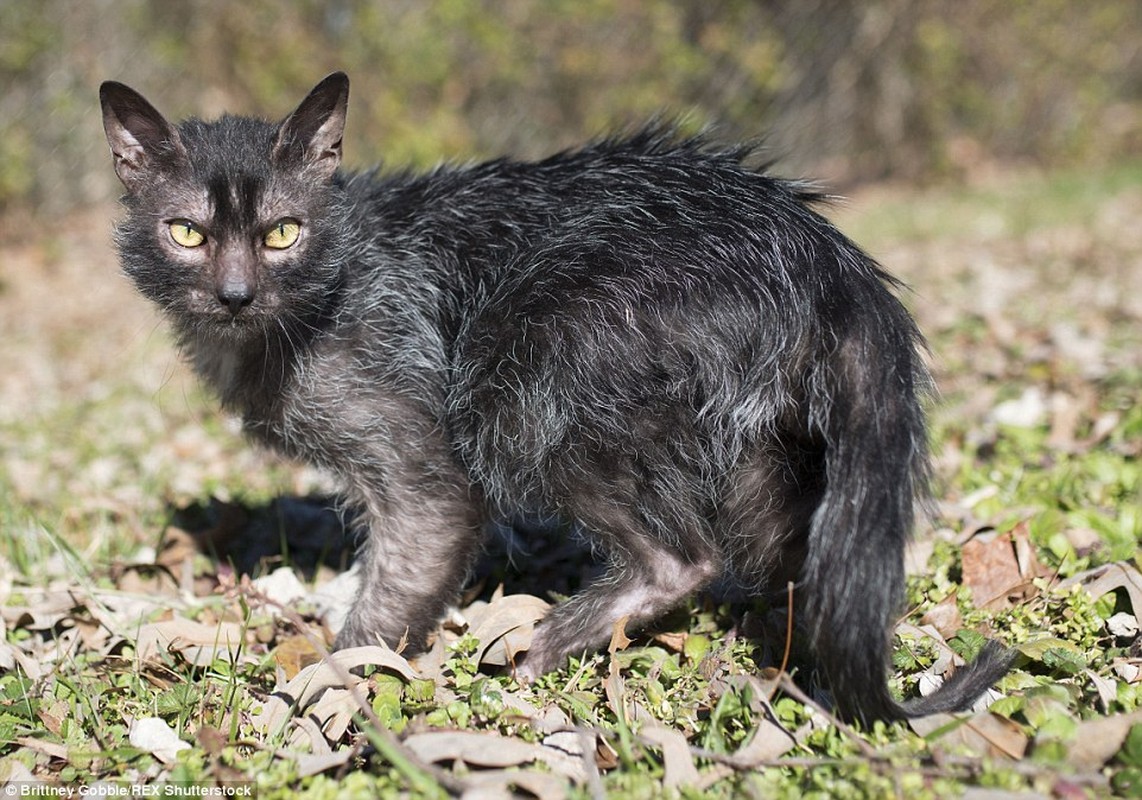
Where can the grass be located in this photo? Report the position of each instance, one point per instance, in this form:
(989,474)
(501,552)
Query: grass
(1025,285)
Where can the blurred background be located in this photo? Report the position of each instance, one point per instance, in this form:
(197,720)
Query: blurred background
(844,91)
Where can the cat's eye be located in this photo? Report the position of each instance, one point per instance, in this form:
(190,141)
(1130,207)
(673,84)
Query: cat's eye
(282,234)
(186,234)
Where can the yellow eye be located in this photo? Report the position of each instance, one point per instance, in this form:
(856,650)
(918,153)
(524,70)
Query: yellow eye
(186,234)
(283,234)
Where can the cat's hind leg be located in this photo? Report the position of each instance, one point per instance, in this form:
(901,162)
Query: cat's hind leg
(659,552)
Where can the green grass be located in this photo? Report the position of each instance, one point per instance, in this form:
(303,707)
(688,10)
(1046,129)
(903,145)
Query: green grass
(89,481)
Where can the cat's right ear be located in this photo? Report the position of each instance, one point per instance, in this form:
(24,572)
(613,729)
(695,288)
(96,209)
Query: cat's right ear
(312,133)
(138,134)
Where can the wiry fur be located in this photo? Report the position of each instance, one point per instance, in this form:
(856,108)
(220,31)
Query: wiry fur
(644,336)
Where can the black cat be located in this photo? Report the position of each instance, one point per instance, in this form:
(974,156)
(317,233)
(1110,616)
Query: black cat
(643,336)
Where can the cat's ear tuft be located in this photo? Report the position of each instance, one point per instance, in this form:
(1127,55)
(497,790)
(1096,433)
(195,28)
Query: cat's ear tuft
(138,134)
(314,130)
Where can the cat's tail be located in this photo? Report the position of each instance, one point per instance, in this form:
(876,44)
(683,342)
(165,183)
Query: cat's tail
(866,404)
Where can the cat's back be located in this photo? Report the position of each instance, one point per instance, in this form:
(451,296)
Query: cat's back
(651,208)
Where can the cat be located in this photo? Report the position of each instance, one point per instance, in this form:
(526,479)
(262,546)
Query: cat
(645,337)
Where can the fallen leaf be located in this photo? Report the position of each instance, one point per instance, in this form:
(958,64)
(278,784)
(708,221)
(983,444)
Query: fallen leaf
(308,764)
(1097,740)
(993,569)
(1129,669)
(619,638)
(329,673)
(1106,688)
(176,547)
(198,643)
(294,653)
(307,735)
(769,742)
(1123,625)
(676,758)
(490,750)
(210,739)
(500,783)
(985,734)
(281,588)
(505,626)
(153,735)
(673,641)
(50,749)
(945,617)
(1107,578)
(334,711)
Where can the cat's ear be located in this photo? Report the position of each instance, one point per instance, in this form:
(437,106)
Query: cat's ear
(313,131)
(139,135)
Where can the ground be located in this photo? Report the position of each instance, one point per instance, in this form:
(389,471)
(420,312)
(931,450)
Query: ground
(129,509)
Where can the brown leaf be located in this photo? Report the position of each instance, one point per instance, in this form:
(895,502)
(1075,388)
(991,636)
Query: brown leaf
(50,749)
(986,734)
(676,758)
(489,750)
(328,673)
(176,547)
(294,653)
(944,617)
(198,643)
(606,757)
(1107,578)
(619,638)
(1097,740)
(505,626)
(672,640)
(210,739)
(500,783)
(308,764)
(999,569)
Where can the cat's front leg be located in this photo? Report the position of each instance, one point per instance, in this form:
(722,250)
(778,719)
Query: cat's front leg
(419,544)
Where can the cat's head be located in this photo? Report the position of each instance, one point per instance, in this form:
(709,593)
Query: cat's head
(232,225)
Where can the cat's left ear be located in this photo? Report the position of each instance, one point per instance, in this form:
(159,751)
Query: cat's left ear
(313,131)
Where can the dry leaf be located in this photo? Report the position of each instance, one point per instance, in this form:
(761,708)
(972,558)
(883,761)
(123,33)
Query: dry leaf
(676,758)
(985,734)
(500,783)
(1107,578)
(329,673)
(1097,740)
(153,735)
(210,739)
(294,653)
(1129,669)
(504,627)
(308,764)
(334,711)
(1106,688)
(50,749)
(490,750)
(619,638)
(998,569)
(672,640)
(177,546)
(945,617)
(307,736)
(198,643)
(281,588)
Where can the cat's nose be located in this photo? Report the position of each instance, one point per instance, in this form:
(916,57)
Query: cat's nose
(235,295)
